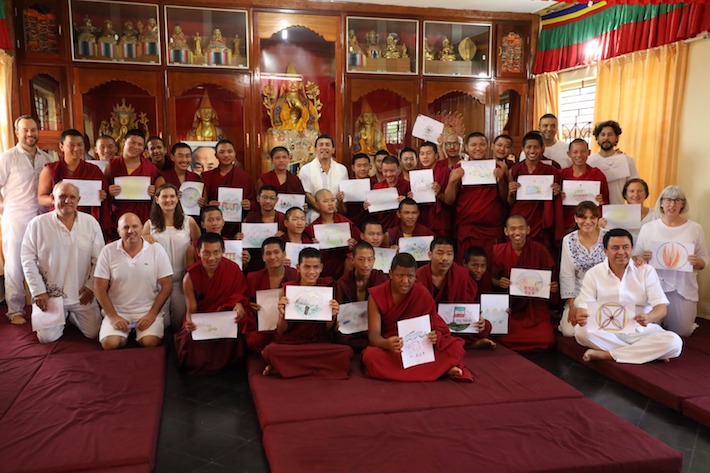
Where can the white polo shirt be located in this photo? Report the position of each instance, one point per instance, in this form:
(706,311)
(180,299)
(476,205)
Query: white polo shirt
(133,281)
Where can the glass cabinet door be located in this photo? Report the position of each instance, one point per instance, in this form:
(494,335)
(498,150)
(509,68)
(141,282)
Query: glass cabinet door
(457,49)
(382,45)
(467,105)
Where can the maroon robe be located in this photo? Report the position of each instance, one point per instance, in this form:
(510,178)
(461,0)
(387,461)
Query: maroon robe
(480,218)
(437,215)
(236,178)
(259,281)
(85,172)
(304,238)
(529,325)
(458,287)
(221,292)
(171,177)
(388,218)
(394,234)
(256,262)
(485,285)
(291,186)
(543,216)
(117,168)
(384,364)
(355,210)
(346,292)
(305,349)
(334,258)
(591,174)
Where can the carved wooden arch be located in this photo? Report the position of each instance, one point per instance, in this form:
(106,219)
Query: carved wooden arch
(148,84)
(477,90)
(326,27)
(103,84)
(234,84)
(359,89)
(519,87)
(54,74)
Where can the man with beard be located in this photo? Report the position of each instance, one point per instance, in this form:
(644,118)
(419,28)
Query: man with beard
(607,135)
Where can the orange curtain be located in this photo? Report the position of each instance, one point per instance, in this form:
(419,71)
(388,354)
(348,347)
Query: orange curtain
(643,91)
(7,137)
(547,95)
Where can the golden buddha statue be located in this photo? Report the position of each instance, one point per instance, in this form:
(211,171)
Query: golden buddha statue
(391,50)
(353,43)
(123,118)
(373,49)
(237,44)
(447,51)
(217,42)
(428,51)
(205,125)
(198,44)
(296,107)
(87,31)
(368,135)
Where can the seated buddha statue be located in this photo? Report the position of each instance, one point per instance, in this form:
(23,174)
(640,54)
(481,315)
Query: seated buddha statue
(205,125)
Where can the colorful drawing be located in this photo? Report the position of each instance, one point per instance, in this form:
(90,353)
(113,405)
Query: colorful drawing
(612,317)
(529,283)
(311,303)
(418,247)
(461,318)
(478,172)
(672,255)
(417,348)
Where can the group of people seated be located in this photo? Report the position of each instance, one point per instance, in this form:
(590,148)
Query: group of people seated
(161,266)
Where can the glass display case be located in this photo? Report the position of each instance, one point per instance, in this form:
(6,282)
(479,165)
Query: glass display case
(40,24)
(382,45)
(457,49)
(206,37)
(115,32)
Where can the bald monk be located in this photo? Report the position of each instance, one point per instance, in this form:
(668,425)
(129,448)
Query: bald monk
(449,282)
(274,275)
(305,348)
(409,226)
(399,299)
(529,326)
(334,258)
(393,178)
(214,284)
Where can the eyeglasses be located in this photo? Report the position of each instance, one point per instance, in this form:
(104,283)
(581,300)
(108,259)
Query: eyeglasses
(668,200)
(268,198)
(452,145)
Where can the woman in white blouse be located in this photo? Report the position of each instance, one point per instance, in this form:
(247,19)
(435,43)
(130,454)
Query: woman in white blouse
(581,250)
(173,230)
(636,192)
(681,287)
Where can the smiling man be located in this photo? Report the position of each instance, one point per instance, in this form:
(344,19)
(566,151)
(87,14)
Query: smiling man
(553,148)
(324,172)
(607,135)
(617,279)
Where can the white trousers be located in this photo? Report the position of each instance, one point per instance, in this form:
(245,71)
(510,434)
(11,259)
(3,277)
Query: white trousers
(646,344)
(680,317)
(13,230)
(86,317)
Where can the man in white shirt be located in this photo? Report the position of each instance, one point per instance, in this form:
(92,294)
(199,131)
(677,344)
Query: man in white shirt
(324,172)
(59,252)
(133,279)
(19,174)
(554,149)
(607,135)
(619,280)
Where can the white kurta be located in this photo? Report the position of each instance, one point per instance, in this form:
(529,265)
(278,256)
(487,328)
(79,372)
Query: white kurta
(616,187)
(19,176)
(640,286)
(314,179)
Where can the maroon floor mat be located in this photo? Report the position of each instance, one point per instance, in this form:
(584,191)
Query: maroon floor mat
(698,409)
(501,376)
(542,436)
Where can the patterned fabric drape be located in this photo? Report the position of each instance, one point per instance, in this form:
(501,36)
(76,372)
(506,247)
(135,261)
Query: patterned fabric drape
(4,36)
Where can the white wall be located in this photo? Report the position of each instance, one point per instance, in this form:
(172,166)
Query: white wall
(694,156)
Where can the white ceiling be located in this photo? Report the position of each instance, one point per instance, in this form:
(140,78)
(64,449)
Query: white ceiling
(517,6)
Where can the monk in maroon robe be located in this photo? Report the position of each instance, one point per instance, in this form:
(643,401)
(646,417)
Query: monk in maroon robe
(408,216)
(179,171)
(228,174)
(475,260)
(334,258)
(399,299)
(133,164)
(265,212)
(284,181)
(580,171)
(529,325)
(305,348)
(355,211)
(213,284)
(480,209)
(448,283)
(438,216)
(273,276)
(393,178)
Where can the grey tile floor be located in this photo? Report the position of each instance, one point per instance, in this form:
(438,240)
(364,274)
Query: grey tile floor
(210,424)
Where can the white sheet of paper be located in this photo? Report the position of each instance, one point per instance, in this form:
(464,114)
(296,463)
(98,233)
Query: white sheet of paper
(133,187)
(294,249)
(214,325)
(535,187)
(611,317)
(191,193)
(355,190)
(332,235)
(614,167)
(383,259)
(98,163)
(268,315)
(286,201)
(230,202)
(88,190)
(233,251)
(309,303)
(622,216)
(427,128)
(421,182)
(461,318)
(494,308)
(52,317)
(352,318)
(417,348)
(418,247)
(672,255)
(383,199)
(530,282)
(579,191)
(478,172)
(256,233)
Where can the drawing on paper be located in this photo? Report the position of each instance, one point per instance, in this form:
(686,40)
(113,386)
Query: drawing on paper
(309,304)
(672,255)
(529,283)
(612,317)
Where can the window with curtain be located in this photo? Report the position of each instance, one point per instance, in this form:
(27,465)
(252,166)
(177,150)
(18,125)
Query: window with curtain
(576,108)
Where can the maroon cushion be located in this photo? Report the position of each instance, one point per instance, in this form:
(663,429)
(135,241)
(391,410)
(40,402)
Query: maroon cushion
(19,341)
(15,375)
(500,376)
(698,409)
(553,435)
